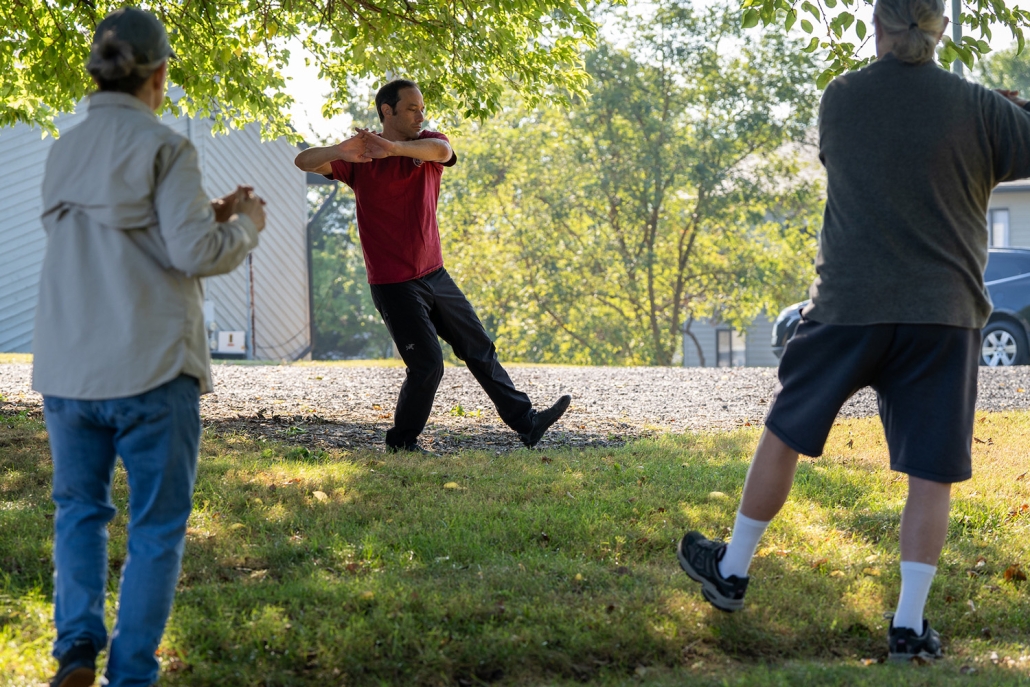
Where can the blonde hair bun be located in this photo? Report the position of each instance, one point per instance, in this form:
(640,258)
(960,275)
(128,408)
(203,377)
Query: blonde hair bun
(918,23)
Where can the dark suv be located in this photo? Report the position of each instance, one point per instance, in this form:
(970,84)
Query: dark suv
(1006,336)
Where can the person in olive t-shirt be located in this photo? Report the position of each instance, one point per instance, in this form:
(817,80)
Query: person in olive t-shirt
(912,153)
(395,176)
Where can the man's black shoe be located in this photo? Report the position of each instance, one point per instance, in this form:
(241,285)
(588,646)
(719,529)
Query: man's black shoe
(699,557)
(544,419)
(77,665)
(905,644)
(413,447)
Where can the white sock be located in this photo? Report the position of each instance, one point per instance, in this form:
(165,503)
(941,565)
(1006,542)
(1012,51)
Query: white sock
(741,549)
(915,587)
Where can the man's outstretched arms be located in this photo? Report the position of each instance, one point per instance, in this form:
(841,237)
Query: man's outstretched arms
(425,149)
(319,159)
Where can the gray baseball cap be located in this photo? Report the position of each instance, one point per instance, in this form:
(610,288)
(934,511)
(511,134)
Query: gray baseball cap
(142,31)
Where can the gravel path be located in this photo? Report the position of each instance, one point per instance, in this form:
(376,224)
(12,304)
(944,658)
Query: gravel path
(349,406)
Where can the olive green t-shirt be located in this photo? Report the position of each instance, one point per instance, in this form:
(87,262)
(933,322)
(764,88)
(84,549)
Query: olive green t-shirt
(912,153)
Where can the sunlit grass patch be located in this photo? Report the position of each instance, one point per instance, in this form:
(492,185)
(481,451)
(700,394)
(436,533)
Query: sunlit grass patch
(557,566)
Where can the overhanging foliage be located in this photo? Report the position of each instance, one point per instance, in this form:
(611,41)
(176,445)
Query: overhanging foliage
(464,54)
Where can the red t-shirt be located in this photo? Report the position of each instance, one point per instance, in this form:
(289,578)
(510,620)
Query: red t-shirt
(396,206)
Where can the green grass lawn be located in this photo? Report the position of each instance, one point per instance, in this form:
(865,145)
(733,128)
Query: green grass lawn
(543,567)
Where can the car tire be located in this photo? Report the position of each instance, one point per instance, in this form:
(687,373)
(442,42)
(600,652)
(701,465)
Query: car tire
(1003,343)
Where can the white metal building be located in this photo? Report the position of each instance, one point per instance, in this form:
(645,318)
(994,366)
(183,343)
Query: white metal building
(723,346)
(1008,219)
(266,299)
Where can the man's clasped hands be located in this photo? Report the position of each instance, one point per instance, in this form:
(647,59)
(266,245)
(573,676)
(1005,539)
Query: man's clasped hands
(365,146)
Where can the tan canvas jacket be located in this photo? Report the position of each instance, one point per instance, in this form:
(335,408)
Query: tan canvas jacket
(130,233)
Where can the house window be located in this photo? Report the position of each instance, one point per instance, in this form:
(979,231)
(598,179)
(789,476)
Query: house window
(999,227)
(730,348)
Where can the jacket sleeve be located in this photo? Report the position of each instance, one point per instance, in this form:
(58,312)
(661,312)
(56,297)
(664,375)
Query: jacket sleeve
(197,245)
(1009,127)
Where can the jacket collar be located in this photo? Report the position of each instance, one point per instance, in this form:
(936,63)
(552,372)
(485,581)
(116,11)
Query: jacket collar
(113,99)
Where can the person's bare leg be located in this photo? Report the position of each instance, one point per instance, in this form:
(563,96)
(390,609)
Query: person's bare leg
(924,522)
(769,478)
(924,527)
(766,488)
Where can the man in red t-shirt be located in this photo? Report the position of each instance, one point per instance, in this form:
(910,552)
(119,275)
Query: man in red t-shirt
(395,176)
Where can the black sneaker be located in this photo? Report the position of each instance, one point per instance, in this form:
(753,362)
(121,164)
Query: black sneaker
(77,666)
(699,558)
(413,447)
(906,645)
(544,419)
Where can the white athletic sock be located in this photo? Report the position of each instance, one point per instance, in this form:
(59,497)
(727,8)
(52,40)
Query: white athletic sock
(741,549)
(915,587)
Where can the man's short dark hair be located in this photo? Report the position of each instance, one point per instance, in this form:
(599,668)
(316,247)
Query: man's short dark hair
(390,94)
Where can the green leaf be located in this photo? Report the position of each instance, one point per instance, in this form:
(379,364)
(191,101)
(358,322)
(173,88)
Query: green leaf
(792,18)
(751,18)
(830,3)
(860,30)
(812,45)
(806,26)
(811,9)
(531,46)
(824,79)
(967,58)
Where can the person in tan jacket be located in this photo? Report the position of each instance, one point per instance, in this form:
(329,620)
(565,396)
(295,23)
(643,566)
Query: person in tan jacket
(120,351)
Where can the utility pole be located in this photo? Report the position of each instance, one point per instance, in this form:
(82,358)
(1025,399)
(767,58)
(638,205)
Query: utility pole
(956,32)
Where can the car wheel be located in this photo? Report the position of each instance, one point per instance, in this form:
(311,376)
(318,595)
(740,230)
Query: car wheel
(1003,344)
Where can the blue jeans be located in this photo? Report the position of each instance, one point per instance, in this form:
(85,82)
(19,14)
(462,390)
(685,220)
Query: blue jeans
(157,435)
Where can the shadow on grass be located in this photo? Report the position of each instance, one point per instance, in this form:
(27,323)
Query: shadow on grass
(306,565)
(439,437)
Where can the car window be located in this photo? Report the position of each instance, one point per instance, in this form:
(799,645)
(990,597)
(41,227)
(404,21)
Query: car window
(1004,265)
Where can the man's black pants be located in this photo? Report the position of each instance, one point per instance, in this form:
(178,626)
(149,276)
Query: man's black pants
(416,312)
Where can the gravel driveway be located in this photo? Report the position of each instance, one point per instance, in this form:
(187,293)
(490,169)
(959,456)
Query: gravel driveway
(348,406)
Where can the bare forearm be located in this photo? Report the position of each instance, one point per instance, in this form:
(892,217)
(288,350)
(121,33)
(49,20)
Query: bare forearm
(317,159)
(427,149)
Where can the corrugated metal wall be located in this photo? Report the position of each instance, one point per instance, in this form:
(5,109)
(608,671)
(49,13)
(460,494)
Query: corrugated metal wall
(23,154)
(280,262)
(281,317)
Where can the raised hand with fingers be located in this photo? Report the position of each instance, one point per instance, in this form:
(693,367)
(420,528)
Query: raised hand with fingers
(225,206)
(353,149)
(252,205)
(376,147)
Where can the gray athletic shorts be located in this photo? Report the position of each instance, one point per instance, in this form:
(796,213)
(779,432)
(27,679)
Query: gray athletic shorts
(924,376)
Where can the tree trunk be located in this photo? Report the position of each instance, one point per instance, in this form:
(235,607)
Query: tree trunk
(697,344)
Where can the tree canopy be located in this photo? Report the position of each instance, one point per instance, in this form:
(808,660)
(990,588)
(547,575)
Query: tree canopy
(594,233)
(837,34)
(230,54)
(1006,69)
